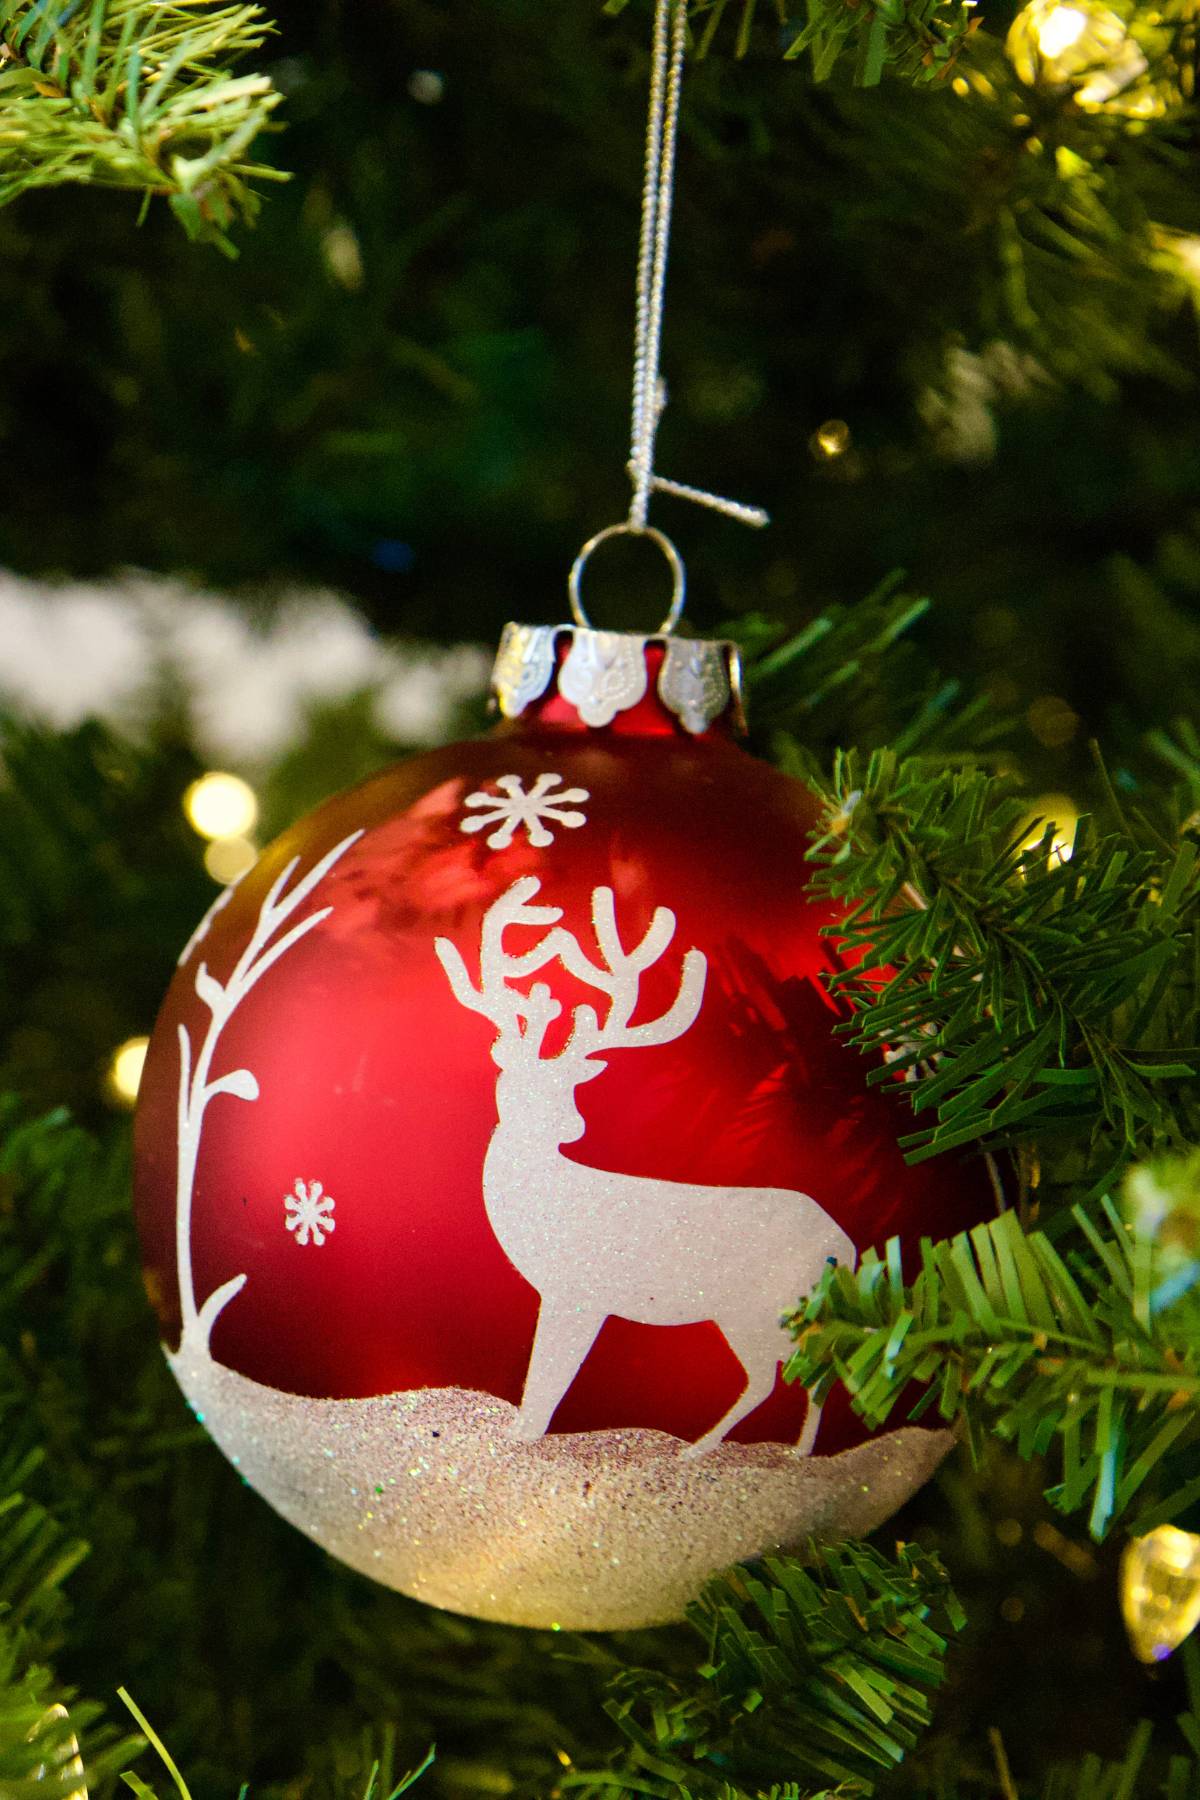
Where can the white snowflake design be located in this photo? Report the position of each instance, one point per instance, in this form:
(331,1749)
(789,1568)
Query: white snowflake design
(514,807)
(310,1212)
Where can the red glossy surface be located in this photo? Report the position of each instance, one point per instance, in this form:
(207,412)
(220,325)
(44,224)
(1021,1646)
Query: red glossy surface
(374,1081)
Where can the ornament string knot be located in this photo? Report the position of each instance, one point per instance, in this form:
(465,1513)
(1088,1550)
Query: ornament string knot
(649,388)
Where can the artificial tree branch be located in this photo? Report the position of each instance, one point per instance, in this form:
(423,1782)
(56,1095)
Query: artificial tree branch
(1022,989)
(1096,1351)
(815,1671)
(128,94)
(918,40)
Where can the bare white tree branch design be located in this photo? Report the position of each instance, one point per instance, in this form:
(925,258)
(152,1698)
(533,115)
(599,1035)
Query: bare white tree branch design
(197,1086)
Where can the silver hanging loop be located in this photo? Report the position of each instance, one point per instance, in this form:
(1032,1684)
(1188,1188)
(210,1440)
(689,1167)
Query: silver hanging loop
(625,529)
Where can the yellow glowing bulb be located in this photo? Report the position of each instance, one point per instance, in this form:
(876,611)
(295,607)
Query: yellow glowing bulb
(831,439)
(1186,252)
(1160,1590)
(221,806)
(67,1760)
(1061,812)
(228,857)
(1059,29)
(1090,50)
(125,1070)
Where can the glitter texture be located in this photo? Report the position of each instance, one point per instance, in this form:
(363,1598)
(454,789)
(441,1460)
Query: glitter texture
(432,1492)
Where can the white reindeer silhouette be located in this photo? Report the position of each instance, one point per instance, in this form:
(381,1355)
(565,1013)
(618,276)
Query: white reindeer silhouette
(594,1242)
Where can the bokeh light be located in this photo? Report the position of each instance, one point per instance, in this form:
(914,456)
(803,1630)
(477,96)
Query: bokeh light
(228,858)
(218,805)
(1058,29)
(125,1070)
(830,439)
(1060,812)
(1052,720)
(426,86)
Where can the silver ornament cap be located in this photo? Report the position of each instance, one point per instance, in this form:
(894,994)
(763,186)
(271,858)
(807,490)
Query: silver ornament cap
(603,673)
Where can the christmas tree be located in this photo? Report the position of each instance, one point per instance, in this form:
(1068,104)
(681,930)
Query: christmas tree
(338,302)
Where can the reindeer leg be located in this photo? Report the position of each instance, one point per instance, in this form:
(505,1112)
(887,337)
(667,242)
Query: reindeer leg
(808,1436)
(760,1359)
(563,1338)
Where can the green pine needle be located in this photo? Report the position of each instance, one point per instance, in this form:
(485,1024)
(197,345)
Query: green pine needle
(135,95)
(1014,989)
(1096,1352)
(38,1745)
(917,40)
(818,1673)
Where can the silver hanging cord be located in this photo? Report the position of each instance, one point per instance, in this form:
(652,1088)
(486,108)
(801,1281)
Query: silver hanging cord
(649,392)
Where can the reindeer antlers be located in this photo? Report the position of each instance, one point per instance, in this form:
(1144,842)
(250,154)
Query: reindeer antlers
(617,975)
(493,997)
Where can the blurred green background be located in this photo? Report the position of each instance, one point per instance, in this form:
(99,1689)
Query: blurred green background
(413,383)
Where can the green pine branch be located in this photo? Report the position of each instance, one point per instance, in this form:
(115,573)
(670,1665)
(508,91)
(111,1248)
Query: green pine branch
(1151,1768)
(1079,202)
(38,1744)
(380,1783)
(852,674)
(918,40)
(1148,1770)
(1009,988)
(1071,225)
(136,95)
(819,1673)
(1095,1352)
(1135,1776)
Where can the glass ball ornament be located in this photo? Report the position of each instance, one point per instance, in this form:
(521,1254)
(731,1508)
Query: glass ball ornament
(491,1122)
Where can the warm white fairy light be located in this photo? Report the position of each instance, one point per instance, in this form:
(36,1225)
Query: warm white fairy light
(1088,51)
(831,439)
(1184,252)
(67,1761)
(1160,1590)
(125,1070)
(227,858)
(220,805)
(1059,29)
(1060,812)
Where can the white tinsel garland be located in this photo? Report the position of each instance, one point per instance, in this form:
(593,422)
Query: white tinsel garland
(107,649)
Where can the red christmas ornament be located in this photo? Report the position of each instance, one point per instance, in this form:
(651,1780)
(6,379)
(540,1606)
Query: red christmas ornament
(488,1127)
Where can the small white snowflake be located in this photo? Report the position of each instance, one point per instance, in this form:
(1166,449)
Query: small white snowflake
(514,807)
(310,1211)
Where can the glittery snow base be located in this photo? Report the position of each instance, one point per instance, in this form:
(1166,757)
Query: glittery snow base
(430,1492)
